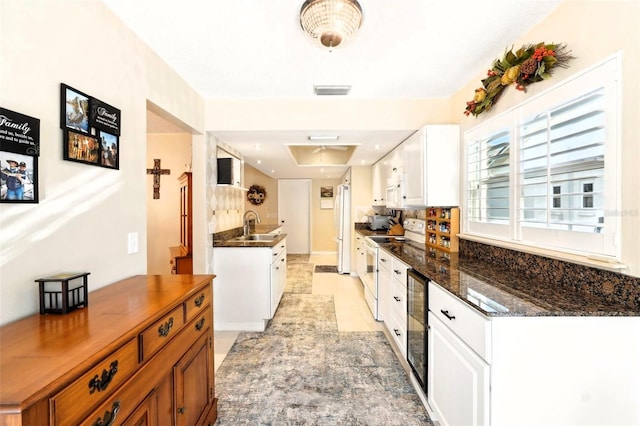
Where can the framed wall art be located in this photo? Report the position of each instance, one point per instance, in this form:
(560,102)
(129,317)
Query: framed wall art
(82,148)
(74,109)
(109,152)
(18,178)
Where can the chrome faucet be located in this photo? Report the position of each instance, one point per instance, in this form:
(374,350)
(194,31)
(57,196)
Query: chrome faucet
(245,221)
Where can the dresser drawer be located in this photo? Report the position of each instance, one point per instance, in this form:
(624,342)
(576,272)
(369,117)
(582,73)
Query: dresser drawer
(398,329)
(471,326)
(70,405)
(197,303)
(154,337)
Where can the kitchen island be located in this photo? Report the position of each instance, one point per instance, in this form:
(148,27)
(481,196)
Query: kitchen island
(251,275)
(527,348)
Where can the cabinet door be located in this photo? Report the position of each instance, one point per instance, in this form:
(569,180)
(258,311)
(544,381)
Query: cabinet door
(458,379)
(145,414)
(384,294)
(414,159)
(378,184)
(278,281)
(194,382)
(361,258)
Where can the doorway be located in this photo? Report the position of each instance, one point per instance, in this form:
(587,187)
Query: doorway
(294,212)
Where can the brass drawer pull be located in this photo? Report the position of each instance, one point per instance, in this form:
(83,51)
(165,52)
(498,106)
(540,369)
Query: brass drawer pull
(100,383)
(200,324)
(199,301)
(109,416)
(163,330)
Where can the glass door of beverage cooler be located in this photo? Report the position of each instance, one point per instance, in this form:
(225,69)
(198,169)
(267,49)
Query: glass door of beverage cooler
(417,293)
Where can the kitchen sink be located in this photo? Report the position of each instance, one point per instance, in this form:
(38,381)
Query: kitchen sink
(257,237)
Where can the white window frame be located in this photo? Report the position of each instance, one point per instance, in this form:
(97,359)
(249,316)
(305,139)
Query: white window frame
(602,245)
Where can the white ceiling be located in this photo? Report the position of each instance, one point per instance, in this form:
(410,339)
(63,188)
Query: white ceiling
(256,49)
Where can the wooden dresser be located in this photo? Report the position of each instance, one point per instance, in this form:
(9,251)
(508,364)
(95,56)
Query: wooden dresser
(140,354)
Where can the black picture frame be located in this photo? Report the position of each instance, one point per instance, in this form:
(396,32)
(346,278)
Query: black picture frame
(81,148)
(27,191)
(19,133)
(74,109)
(105,117)
(109,150)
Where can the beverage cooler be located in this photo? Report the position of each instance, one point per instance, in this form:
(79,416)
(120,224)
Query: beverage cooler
(417,308)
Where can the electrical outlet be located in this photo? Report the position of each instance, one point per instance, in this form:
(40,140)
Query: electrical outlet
(132,242)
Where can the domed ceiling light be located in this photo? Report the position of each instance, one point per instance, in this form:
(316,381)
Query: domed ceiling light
(330,21)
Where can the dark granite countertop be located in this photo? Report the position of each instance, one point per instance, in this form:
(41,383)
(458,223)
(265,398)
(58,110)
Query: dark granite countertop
(496,291)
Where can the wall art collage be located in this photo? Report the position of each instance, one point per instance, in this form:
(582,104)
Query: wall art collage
(91,129)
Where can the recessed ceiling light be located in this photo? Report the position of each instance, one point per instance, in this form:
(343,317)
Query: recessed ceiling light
(376,147)
(273,171)
(259,161)
(257,146)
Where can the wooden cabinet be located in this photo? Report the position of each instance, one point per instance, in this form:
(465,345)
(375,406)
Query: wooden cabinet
(125,359)
(443,226)
(249,285)
(181,256)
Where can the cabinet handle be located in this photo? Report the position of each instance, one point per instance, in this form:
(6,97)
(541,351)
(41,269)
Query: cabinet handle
(200,324)
(383,260)
(275,254)
(163,330)
(396,271)
(199,301)
(397,298)
(101,383)
(109,416)
(282,260)
(397,333)
(181,410)
(446,314)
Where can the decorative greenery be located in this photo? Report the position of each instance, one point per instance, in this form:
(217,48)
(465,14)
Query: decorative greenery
(529,64)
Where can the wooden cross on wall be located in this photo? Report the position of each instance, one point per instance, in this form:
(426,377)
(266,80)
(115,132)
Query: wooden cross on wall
(156,172)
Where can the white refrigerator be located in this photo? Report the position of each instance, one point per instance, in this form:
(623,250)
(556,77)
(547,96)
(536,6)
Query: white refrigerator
(342,216)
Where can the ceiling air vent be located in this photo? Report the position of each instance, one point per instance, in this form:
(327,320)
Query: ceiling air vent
(331,90)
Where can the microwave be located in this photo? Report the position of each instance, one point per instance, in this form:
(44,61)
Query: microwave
(396,197)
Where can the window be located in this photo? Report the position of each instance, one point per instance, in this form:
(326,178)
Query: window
(544,173)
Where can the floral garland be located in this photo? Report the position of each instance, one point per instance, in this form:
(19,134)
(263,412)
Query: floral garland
(529,64)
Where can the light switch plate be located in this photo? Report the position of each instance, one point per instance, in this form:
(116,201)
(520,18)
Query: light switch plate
(132,242)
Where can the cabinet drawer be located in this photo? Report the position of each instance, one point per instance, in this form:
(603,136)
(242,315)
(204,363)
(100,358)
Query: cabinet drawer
(278,248)
(385,259)
(154,337)
(398,330)
(197,303)
(70,405)
(398,299)
(470,326)
(399,270)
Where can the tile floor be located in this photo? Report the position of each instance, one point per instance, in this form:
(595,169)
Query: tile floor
(352,311)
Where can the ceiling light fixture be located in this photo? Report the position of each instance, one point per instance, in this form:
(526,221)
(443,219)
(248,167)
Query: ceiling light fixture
(330,21)
(323,138)
(331,90)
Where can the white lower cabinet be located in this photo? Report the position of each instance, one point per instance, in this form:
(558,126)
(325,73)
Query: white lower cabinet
(249,284)
(361,257)
(540,370)
(392,285)
(458,379)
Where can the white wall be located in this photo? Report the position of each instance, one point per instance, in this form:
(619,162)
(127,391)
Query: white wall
(85,212)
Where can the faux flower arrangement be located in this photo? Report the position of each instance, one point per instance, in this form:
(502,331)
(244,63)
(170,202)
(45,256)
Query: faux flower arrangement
(529,64)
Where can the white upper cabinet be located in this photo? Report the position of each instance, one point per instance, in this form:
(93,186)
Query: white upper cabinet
(431,163)
(378,183)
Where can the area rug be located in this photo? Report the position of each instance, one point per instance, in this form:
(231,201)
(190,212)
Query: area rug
(326,268)
(299,277)
(297,258)
(302,371)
